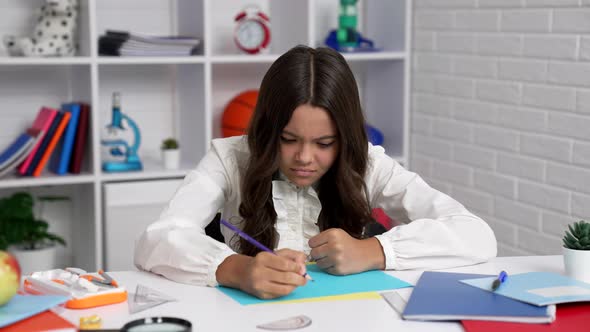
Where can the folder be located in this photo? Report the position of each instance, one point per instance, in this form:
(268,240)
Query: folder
(43,322)
(24,306)
(538,288)
(441,296)
(570,317)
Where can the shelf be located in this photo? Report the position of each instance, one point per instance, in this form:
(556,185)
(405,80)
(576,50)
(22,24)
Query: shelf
(152,171)
(105,60)
(243,58)
(45,61)
(182,97)
(270,58)
(45,180)
(371,56)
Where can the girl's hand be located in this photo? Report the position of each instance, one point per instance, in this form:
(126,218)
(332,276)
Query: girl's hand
(266,275)
(336,252)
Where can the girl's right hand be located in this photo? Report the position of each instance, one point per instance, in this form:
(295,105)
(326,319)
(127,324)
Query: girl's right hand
(266,275)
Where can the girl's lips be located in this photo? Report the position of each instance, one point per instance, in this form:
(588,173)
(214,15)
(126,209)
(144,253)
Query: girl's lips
(302,172)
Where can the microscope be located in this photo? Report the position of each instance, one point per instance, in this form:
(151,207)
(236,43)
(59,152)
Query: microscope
(119,147)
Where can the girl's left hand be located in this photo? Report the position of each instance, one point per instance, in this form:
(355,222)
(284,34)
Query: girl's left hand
(336,252)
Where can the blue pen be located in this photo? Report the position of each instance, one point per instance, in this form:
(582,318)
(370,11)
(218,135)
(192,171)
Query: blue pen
(500,280)
(253,242)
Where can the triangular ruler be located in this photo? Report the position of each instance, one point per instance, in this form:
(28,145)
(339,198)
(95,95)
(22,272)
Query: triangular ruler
(145,298)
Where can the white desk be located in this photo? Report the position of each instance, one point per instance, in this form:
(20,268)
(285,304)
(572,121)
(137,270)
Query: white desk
(210,310)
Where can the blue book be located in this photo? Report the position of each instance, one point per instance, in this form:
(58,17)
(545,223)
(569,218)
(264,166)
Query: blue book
(441,296)
(15,149)
(538,288)
(61,159)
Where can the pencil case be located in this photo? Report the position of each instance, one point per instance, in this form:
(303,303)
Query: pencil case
(85,290)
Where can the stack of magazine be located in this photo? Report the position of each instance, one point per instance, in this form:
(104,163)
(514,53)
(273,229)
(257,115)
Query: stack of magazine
(123,43)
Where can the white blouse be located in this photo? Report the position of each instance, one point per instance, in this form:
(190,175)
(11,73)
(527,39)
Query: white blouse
(436,231)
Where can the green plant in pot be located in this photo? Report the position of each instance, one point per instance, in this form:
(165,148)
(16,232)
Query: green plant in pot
(576,250)
(170,144)
(171,153)
(21,232)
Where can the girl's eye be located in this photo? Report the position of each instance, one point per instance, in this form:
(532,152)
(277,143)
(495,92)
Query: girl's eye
(287,140)
(325,145)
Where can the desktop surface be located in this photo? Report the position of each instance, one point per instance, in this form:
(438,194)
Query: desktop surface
(208,309)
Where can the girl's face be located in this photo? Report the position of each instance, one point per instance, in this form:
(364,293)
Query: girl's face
(308,145)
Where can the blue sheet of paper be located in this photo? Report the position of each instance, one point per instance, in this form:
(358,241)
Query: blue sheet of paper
(538,288)
(24,306)
(325,284)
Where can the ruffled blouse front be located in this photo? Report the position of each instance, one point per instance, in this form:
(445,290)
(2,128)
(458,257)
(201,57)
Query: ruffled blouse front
(297,211)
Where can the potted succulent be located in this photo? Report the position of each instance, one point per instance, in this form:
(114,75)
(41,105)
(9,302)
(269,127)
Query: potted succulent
(171,153)
(576,251)
(26,236)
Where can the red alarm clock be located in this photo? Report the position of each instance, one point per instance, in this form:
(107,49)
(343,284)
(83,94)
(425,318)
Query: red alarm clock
(252,32)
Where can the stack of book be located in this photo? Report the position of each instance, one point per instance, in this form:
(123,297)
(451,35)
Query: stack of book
(57,139)
(123,43)
(524,302)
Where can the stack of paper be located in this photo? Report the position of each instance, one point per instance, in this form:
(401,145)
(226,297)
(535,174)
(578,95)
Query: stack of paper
(132,44)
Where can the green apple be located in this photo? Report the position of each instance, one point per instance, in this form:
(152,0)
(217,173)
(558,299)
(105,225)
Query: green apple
(9,276)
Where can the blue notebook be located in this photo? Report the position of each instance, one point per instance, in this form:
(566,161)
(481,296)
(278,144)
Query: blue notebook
(538,288)
(63,153)
(24,306)
(441,296)
(325,284)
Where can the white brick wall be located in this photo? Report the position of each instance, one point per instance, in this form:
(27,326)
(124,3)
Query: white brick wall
(501,113)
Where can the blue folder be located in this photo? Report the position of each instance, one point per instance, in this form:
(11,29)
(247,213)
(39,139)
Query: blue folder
(538,288)
(24,306)
(441,296)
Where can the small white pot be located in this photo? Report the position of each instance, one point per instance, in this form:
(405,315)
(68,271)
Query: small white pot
(577,264)
(35,260)
(171,158)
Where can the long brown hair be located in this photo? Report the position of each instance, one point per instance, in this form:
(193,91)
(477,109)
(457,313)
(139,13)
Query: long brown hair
(321,78)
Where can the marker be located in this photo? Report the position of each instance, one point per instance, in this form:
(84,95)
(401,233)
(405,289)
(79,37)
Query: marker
(500,280)
(253,242)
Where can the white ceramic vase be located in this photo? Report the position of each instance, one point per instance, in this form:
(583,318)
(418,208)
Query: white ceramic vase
(35,260)
(577,264)
(171,158)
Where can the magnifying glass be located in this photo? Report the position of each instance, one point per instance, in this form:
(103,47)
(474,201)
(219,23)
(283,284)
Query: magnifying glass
(161,324)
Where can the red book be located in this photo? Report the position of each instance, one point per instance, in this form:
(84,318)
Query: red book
(41,124)
(80,140)
(570,317)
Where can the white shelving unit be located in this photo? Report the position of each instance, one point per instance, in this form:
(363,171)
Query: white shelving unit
(181,96)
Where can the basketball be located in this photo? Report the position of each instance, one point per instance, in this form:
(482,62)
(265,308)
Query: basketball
(237,113)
